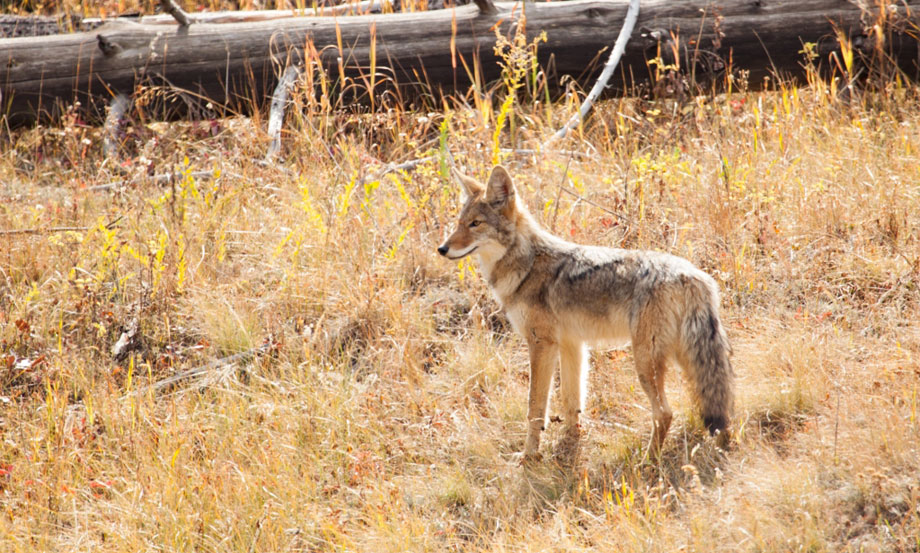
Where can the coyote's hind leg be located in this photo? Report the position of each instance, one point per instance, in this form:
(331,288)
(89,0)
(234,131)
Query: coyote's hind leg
(651,369)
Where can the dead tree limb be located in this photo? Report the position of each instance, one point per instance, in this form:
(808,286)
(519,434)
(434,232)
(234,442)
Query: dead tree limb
(279,104)
(364,7)
(114,122)
(164,178)
(50,230)
(198,372)
(486,7)
(37,25)
(174,10)
(618,49)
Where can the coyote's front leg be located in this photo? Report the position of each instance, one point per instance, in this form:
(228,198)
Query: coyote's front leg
(543,356)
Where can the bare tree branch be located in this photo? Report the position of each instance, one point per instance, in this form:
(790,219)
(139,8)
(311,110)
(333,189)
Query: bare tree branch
(159,179)
(197,372)
(50,230)
(618,48)
(174,10)
(279,103)
(486,7)
(113,124)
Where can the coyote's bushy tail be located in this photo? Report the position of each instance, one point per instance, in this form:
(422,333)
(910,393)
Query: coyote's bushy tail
(708,351)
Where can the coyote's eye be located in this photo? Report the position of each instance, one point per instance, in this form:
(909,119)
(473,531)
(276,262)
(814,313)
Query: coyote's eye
(475,224)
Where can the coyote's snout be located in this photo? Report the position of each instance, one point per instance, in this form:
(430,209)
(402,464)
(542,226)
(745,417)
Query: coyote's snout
(562,297)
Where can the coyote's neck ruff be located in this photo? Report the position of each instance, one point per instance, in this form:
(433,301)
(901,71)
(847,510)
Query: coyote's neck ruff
(506,267)
(562,296)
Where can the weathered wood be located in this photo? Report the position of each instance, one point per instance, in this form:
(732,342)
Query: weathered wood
(114,124)
(12,26)
(237,65)
(361,7)
(618,48)
(178,13)
(276,113)
(486,7)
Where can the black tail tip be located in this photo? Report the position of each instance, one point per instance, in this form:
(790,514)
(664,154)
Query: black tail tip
(716,423)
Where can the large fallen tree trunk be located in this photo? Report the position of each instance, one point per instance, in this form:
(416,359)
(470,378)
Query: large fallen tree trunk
(236,65)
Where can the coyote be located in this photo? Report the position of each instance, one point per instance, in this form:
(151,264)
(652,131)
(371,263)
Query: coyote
(562,297)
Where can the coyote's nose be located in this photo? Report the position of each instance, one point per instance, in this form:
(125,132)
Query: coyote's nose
(442,249)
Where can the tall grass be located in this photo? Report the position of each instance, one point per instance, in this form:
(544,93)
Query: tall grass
(389,395)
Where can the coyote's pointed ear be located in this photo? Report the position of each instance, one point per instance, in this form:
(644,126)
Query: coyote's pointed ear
(500,190)
(471,186)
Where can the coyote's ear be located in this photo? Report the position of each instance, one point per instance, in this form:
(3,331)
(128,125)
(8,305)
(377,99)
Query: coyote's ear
(471,186)
(500,190)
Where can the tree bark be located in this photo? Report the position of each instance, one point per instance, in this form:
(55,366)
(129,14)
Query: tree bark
(235,66)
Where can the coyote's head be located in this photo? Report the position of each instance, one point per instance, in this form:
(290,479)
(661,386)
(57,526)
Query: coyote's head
(487,222)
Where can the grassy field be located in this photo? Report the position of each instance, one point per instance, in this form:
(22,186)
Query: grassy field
(377,395)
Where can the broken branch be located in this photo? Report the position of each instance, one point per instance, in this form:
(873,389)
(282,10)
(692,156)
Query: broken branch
(174,10)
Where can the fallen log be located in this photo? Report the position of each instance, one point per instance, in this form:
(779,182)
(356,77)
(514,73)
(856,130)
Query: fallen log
(235,66)
(12,26)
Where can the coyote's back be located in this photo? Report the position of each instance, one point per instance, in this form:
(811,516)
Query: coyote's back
(562,296)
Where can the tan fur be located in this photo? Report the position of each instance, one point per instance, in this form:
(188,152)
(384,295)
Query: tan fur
(562,297)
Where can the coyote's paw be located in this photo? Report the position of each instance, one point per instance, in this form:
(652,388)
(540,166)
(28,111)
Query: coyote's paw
(568,447)
(723,439)
(569,441)
(573,432)
(524,459)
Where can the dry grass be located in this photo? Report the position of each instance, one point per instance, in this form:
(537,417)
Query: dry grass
(385,411)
